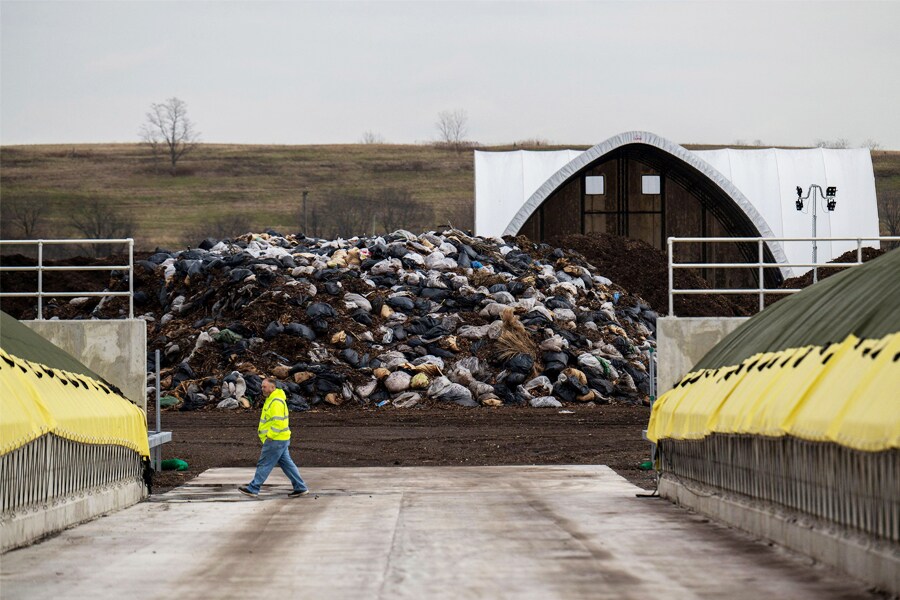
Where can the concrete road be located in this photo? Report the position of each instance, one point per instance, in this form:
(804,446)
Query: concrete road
(417,532)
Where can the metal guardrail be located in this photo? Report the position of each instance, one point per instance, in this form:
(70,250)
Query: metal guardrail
(40,294)
(760,265)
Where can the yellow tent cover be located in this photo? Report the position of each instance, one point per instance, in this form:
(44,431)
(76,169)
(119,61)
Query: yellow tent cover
(847,393)
(37,400)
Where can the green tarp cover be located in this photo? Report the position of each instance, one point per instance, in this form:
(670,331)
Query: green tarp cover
(863,301)
(19,340)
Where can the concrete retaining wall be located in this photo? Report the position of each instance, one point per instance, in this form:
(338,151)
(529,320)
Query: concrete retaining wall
(873,561)
(116,350)
(30,525)
(682,341)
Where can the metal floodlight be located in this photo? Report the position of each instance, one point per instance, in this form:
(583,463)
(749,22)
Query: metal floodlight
(829,195)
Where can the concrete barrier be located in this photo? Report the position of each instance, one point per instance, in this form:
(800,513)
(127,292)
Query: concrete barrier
(682,341)
(874,561)
(115,349)
(29,525)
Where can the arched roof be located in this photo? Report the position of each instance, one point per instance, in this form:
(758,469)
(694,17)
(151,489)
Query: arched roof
(649,139)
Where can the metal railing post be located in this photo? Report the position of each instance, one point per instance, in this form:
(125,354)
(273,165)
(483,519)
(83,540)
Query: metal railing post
(652,365)
(859,250)
(157,454)
(815,247)
(671,281)
(762,296)
(40,310)
(131,279)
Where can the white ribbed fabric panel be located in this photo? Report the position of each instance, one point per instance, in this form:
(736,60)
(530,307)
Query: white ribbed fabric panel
(509,179)
(510,186)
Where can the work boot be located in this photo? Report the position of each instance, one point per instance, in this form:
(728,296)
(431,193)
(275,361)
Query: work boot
(246,491)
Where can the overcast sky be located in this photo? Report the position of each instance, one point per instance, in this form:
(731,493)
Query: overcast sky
(571,73)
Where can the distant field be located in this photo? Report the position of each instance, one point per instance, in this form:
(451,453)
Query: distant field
(225,189)
(254,186)
(887,187)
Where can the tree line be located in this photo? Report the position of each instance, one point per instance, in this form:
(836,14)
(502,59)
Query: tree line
(27,219)
(170,134)
(344,214)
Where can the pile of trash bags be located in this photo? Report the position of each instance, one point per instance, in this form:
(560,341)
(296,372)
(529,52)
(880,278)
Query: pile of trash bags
(400,320)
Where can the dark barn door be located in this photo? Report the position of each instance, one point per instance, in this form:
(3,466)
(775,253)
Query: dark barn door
(640,192)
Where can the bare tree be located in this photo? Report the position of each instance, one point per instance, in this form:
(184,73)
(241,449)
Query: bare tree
(838,143)
(27,215)
(228,226)
(370,137)
(452,126)
(889,216)
(872,144)
(98,221)
(348,214)
(168,131)
(535,142)
(315,222)
(399,209)
(455,214)
(341,213)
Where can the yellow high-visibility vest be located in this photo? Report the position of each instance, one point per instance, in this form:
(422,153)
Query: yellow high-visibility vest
(273,422)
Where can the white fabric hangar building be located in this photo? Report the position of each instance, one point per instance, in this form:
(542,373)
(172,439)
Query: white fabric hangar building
(642,186)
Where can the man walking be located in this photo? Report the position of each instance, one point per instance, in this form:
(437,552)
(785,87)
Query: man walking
(275,435)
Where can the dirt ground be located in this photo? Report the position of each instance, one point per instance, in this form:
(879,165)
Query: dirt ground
(806,279)
(438,436)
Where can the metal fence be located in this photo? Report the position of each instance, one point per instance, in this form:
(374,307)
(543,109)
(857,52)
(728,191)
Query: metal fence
(853,489)
(52,468)
(40,294)
(760,265)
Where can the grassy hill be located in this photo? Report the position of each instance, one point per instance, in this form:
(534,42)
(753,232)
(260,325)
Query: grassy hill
(222,189)
(227,189)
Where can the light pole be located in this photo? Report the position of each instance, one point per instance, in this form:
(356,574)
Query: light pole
(830,202)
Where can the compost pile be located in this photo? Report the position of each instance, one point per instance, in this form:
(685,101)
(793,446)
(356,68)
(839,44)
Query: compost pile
(644,270)
(399,319)
(851,256)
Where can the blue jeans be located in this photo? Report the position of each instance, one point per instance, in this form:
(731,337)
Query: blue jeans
(276,453)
